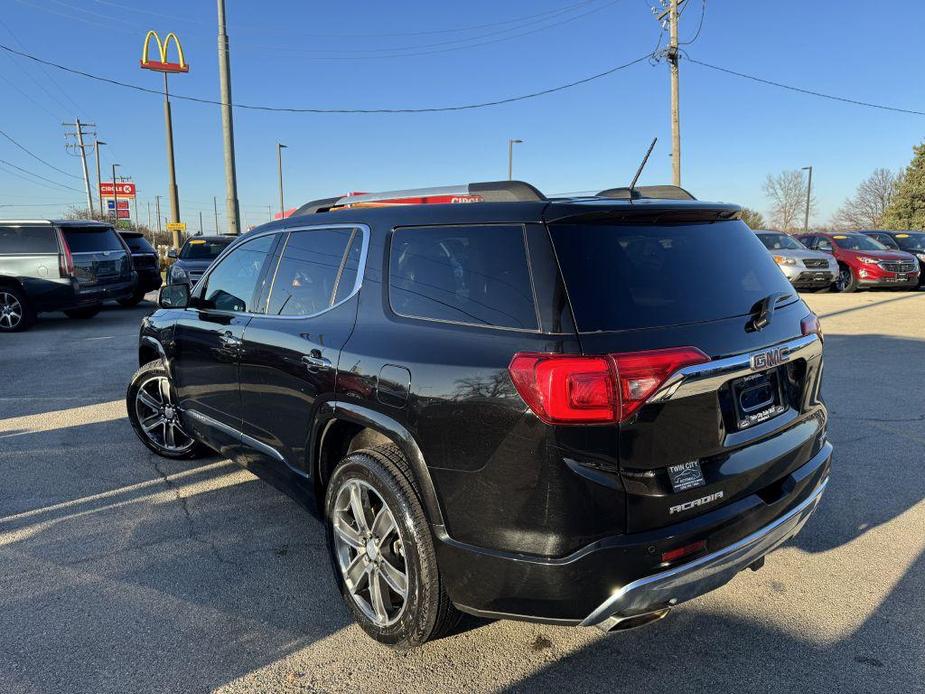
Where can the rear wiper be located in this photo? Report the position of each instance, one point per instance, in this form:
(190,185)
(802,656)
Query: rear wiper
(763,311)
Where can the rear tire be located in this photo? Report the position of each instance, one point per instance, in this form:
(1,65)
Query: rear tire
(16,313)
(132,300)
(382,551)
(151,404)
(83,313)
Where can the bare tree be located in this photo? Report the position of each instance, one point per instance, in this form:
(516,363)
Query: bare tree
(787,194)
(865,210)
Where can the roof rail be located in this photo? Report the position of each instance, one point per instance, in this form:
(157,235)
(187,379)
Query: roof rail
(490,191)
(650,192)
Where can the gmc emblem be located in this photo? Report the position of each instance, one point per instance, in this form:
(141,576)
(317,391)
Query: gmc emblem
(769,359)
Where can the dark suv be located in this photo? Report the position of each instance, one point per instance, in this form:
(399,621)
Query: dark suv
(572,411)
(147,264)
(70,266)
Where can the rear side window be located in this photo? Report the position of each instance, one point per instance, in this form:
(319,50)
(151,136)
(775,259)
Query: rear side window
(631,277)
(91,239)
(476,275)
(138,244)
(307,275)
(32,240)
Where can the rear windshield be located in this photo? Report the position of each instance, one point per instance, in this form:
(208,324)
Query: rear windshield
(203,249)
(911,241)
(138,244)
(37,239)
(780,242)
(622,277)
(91,239)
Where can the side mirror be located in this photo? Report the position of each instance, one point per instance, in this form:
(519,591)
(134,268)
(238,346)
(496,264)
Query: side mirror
(173,296)
(172,253)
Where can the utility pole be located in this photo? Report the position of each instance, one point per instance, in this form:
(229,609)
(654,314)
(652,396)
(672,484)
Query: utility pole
(79,134)
(279,165)
(157,202)
(115,197)
(99,181)
(172,190)
(672,55)
(269,213)
(510,158)
(809,195)
(200,222)
(149,213)
(215,207)
(224,72)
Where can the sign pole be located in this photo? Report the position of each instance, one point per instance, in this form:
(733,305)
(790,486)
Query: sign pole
(174,194)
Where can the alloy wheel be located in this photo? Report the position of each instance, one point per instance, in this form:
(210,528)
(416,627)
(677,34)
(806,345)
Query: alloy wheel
(158,416)
(370,553)
(11,311)
(844,279)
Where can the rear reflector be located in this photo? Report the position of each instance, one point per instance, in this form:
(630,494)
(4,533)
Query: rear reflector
(686,550)
(572,389)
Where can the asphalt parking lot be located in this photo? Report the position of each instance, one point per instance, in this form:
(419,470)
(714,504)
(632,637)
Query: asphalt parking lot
(123,572)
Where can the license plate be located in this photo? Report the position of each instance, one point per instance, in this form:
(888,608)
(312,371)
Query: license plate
(757,398)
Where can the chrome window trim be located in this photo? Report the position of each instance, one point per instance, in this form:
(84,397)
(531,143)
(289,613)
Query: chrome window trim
(388,278)
(361,268)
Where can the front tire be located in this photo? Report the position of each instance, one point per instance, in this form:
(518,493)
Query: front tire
(382,550)
(83,313)
(152,411)
(846,281)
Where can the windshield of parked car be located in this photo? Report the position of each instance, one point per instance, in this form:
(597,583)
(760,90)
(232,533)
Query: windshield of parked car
(912,241)
(781,242)
(203,249)
(858,242)
(628,277)
(138,244)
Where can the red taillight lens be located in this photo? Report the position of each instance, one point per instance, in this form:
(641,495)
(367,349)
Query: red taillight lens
(811,326)
(643,373)
(65,260)
(686,550)
(570,389)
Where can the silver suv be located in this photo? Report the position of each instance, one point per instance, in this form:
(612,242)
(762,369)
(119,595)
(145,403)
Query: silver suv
(804,268)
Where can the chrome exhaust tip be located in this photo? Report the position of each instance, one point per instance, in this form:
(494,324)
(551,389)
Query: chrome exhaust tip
(615,623)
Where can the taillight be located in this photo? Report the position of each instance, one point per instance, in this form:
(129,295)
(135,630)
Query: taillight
(65,260)
(570,389)
(811,326)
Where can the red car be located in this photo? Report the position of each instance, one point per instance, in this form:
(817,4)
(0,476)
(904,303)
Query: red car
(864,262)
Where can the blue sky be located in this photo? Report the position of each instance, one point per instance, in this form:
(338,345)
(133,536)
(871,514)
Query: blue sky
(419,54)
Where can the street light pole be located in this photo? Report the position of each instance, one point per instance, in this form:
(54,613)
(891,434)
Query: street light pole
(809,195)
(224,74)
(279,165)
(510,158)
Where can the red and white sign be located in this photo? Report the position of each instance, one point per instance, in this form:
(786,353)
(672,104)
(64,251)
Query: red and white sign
(121,189)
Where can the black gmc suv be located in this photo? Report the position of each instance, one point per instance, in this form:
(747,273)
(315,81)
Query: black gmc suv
(580,411)
(63,265)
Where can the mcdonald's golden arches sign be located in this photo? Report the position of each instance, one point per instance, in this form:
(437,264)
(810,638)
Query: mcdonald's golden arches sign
(162,65)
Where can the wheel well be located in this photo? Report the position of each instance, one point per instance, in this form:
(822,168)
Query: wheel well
(10,282)
(147,353)
(339,439)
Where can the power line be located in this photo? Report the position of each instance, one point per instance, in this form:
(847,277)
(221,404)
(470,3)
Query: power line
(26,171)
(810,92)
(281,109)
(37,158)
(703,13)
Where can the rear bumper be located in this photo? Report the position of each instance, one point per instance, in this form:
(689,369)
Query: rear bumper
(621,576)
(691,580)
(149,280)
(91,295)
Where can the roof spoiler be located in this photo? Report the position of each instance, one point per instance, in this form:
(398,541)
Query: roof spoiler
(487,191)
(648,192)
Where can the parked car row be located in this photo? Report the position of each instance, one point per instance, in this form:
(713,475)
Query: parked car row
(848,261)
(70,266)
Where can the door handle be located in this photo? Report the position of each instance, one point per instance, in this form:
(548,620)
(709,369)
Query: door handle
(315,361)
(229,340)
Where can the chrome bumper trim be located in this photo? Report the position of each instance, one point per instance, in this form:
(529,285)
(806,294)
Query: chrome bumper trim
(691,580)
